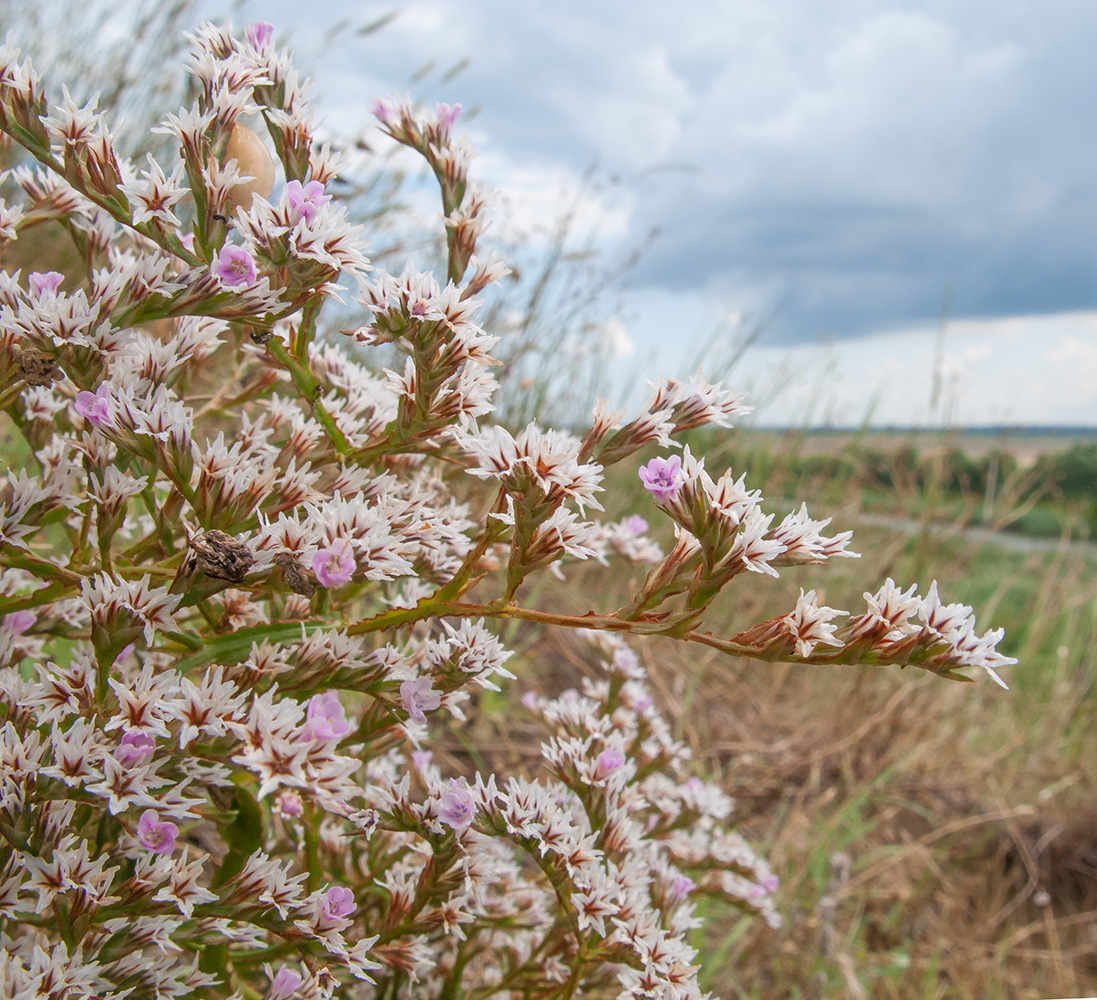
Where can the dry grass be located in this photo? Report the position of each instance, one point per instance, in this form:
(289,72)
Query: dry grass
(934,839)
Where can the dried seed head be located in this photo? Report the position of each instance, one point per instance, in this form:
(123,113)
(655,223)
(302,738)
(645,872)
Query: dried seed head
(294,577)
(221,556)
(37,368)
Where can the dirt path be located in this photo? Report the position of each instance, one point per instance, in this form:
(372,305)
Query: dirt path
(1010,540)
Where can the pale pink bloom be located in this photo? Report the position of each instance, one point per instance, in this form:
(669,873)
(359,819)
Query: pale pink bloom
(326,718)
(662,477)
(419,696)
(285,984)
(45,282)
(18,622)
(681,887)
(234,266)
(154,835)
(335,564)
(98,407)
(136,747)
(289,804)
(187,239)
(766,887)
(608,761)
(457,805)
(447,115)
(383,110)
(636,524)
(258,36)
(338,903)
(305,201)
(421,759)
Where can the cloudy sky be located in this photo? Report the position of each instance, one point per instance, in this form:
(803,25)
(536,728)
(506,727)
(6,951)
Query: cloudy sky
(841,172)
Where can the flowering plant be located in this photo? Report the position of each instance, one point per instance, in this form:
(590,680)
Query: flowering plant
(245,578)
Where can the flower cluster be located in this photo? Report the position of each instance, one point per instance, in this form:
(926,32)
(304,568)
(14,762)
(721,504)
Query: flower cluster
(248,580)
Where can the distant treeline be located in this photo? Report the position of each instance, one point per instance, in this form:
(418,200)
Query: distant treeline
(903,468)
(1058,493)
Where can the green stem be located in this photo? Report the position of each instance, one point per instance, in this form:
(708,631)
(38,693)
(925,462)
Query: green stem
(458,584)
(308,387)
(312,851)
(306,330)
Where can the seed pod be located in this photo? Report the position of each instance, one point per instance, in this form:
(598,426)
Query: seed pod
(253,160)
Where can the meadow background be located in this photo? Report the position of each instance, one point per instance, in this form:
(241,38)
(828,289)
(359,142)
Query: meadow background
(933,839)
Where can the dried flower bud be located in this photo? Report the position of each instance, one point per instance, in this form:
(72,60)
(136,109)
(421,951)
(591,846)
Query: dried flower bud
(253,161)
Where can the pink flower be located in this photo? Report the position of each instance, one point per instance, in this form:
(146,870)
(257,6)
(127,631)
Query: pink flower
(682,886)
(338,903)
(419,696)
(608,762)
(382,109)
(305,201)
(766,887)
(421,759)
(326,718)
(284,984)
(447,115)
(625,661)
(258,36)
(98,407)
(661,477)
(18,622)
(457,805)
(636,524)
(335,564)
(234,266)
(289,804)
(136,747)
(45,282)
(154,835)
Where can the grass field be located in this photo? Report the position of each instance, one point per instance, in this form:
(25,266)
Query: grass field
(934,839)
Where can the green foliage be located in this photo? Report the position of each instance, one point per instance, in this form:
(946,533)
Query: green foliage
(1073,473)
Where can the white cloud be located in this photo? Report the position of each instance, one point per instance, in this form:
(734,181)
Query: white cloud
(620,344)
(849,160)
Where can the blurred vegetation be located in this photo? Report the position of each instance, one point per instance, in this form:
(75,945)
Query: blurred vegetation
(129,54)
